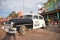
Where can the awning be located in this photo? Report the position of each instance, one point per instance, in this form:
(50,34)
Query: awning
(54,11)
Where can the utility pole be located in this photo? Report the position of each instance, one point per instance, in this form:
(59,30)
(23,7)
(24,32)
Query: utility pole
(23,6)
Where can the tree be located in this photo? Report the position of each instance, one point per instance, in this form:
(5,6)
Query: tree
(13,14)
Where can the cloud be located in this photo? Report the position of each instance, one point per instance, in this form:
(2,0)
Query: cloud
(20,5)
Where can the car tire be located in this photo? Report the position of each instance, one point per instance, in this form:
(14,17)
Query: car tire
(44,27)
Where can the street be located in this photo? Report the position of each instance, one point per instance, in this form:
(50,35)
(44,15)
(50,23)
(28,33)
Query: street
(29,19)
(51,33)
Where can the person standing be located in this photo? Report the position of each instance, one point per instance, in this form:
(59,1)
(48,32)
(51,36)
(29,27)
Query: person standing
(56,20)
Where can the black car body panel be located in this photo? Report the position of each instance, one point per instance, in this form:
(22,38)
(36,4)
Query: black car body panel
(21,21)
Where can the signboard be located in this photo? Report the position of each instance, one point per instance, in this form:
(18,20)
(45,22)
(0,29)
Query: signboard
(50,7)
(58,5)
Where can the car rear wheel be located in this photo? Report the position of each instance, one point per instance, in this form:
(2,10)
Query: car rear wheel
(44,27)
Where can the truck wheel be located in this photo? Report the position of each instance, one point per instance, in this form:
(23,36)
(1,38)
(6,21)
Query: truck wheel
(22,30)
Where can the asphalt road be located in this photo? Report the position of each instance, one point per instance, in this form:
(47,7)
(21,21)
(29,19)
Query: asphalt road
(51,33)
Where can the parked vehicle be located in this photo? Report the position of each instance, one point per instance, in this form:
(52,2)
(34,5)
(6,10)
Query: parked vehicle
(33,21)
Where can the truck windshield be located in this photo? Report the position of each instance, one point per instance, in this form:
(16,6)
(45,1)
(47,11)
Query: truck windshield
(27,16)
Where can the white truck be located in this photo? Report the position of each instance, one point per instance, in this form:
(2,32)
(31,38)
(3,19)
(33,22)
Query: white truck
(33,21)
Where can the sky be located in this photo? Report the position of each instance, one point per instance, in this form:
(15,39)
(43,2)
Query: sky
(26,6)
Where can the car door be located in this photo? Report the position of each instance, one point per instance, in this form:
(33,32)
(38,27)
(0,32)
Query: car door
(41,21)
(35,22)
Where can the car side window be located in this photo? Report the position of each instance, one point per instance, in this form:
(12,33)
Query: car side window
(40,17)
(35,17)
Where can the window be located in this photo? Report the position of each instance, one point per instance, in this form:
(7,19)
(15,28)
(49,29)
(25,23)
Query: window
(35,17)
(40,17)
(27,16)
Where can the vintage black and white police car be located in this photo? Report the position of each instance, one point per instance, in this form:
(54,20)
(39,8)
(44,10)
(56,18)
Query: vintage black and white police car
(33,21)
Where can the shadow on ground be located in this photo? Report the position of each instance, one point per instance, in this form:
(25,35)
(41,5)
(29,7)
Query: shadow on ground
(9,37)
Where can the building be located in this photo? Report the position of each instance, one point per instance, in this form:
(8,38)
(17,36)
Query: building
(53,10)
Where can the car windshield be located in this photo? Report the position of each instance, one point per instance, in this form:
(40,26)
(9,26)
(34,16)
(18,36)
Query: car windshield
(27,16)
